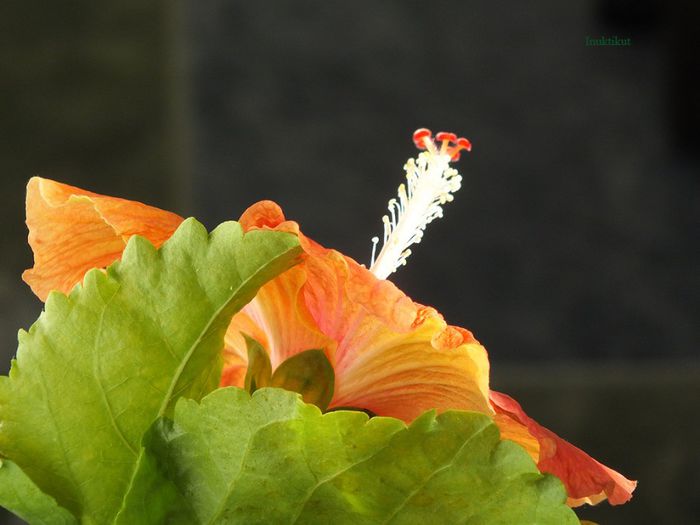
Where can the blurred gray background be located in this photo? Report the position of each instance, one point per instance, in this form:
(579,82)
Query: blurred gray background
(571,251)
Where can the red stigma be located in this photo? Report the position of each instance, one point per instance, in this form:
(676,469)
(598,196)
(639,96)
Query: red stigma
(450,144)
(420,136)
(464,143)
(445,136)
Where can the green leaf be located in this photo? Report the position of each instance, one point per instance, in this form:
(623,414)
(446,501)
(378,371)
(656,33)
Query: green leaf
(273,459)
(308,373)
(152,497)
(20,495)
(100,365)
(259,367)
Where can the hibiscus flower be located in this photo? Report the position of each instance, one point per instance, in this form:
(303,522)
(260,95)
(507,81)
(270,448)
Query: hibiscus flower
(391,355)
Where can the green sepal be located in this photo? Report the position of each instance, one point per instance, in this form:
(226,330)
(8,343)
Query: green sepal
(259,369)
(308,373)
(353,409)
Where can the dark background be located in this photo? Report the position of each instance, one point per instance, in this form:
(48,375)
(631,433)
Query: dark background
(571,251)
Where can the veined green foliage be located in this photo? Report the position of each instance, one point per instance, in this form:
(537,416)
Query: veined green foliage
(101,364)
(274,459)
(20,495)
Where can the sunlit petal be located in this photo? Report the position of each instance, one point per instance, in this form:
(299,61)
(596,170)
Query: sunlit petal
(394,357)
(515,431)
(73,230)
(235,352)
(391,356)
(586,480)
(277,317)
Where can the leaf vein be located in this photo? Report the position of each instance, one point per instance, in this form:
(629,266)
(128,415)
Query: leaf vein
(446,466)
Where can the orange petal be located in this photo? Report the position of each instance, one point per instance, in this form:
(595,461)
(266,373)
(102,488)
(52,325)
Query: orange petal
(277,317)
(514,431)
(268,215)
(394,357)
(73,230)
(391,355)
(283,323)
(586,480)
(235,352)
(263,214)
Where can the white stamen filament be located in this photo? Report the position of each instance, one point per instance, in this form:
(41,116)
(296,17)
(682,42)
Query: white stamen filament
(430,184)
